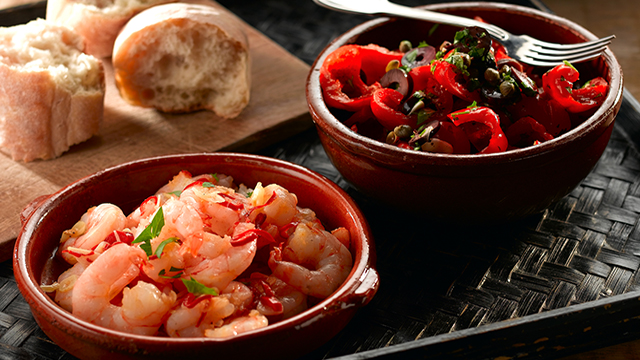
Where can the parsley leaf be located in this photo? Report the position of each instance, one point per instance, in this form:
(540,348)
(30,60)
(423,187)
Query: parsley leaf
(172,269)
(150,232)
(160,247)
(196,288)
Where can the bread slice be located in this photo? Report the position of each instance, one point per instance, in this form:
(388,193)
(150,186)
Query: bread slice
(184,57)
(51,93)
(97,21)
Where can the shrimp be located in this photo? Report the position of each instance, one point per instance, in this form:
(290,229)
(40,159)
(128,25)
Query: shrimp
(143,214)
(210,203)
(64,286)
(66,281)
(99,221)
(240,295)
(192,320)
(275,202)
(254,320)
(184,222)
(182,180)
(219,271)
(329,260)
(143,305)
(277,297)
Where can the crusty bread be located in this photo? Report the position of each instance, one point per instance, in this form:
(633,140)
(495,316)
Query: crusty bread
(183,57)
(51,93)
(97,21)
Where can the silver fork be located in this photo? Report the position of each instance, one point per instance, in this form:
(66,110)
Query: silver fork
(520,47)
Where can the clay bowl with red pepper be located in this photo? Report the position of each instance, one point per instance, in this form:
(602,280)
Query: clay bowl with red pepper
(127,185)
(472,180)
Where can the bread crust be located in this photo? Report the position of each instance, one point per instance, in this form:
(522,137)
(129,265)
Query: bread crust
(142,45)
(40,118)
(99,26)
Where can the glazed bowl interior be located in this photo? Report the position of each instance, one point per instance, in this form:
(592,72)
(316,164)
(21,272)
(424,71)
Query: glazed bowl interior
(127,186)
(361,159)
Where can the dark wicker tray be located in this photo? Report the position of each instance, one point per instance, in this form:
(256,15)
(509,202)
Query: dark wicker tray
(555,284)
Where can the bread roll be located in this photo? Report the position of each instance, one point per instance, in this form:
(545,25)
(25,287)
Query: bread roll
(183,57)
(51,93)
(97,21)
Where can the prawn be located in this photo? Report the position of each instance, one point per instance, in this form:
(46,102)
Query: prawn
(218,272)
(277,298)
(192,320)
(195,315)
(94,226)
(254,320)
(143,305)
(221,207)
(329,261)
(278,205)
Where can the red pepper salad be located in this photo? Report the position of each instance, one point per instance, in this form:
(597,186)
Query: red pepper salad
(466,97)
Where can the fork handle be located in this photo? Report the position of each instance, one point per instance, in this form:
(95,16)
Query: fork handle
(392,9)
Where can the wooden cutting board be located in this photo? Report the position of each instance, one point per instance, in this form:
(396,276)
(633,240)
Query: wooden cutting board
(277,110)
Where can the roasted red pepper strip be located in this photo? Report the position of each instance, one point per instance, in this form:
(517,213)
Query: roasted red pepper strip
(340,75)
(526,132)
(558,83)
(484,115)
(545,110)
(448,76)
(453,135)
(386,105)
(594,91)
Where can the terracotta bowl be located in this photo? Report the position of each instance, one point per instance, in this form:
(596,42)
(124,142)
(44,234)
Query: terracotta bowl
(491,187)
(129,184)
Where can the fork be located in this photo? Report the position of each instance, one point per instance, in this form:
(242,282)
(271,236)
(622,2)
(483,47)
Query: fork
(520,47)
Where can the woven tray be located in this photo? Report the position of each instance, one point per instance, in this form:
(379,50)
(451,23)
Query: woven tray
(554,284)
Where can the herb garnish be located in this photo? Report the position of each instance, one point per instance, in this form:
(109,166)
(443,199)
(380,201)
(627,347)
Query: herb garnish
(196,288)
(160,247)
(172,269)
(150,232)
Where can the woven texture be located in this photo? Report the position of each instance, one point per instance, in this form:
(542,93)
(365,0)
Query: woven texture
(436,279)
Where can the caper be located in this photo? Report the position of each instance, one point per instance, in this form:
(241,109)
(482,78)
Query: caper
(492,76)
(405,45)
(391,138)
(507,88)
(393,64)
(403,131)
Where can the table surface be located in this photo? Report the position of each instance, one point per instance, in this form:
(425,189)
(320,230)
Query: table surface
(617,17)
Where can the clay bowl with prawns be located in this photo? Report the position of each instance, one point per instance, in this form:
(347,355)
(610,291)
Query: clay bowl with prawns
(126,186)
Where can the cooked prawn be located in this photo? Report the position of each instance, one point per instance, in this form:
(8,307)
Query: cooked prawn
(275,202)
(99,221)
(193,320)
(277,298)
(329,261)
(219,271)
(143,305)
(254,320)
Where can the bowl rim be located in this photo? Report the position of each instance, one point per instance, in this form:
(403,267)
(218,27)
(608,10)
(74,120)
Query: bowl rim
(357,290)
(382,153)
